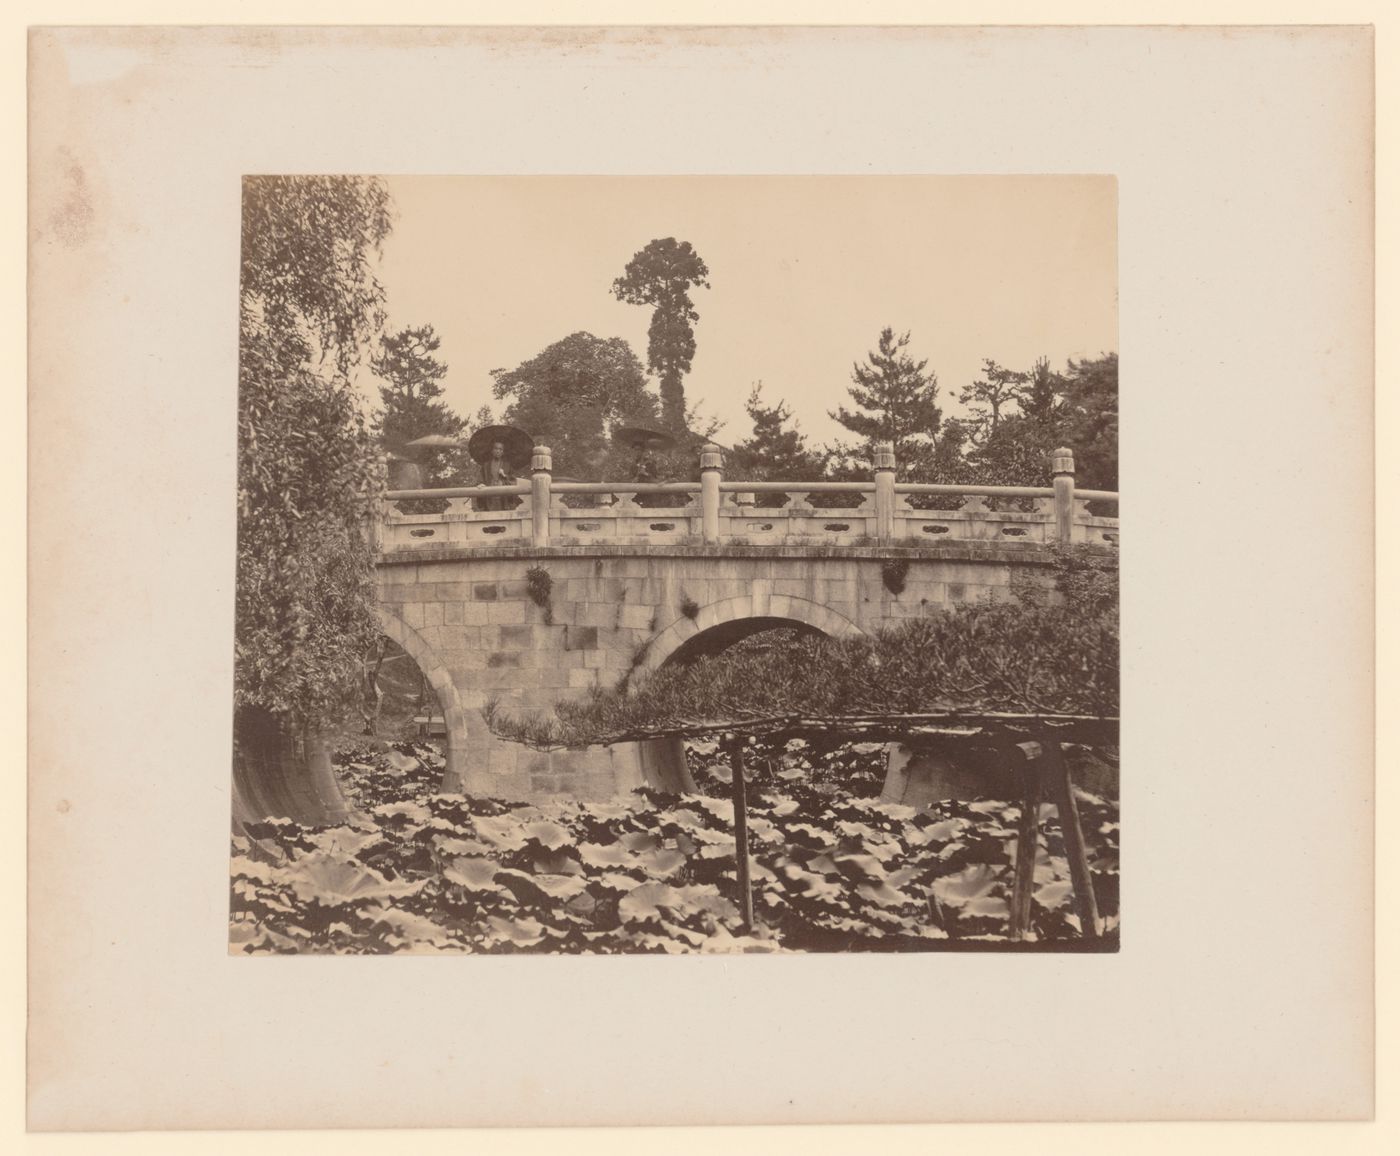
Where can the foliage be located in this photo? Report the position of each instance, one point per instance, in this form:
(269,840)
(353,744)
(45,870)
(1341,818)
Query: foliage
(307,263)
(1090,420)
(893,573)
(1086,579)
(1039,396)
(977,658)
(1078,408)
(689,607)
(1018,454)
(986,397)
(896,400)
(570,394)
(833,868)
(661,275)
(413,407)
(309,302)
(540,587)
(773,452)
(395,693)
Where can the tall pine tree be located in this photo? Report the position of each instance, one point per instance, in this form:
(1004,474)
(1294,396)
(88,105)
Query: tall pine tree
(774,452)
(897,402)
(661,275)
(413,407)
(987,397)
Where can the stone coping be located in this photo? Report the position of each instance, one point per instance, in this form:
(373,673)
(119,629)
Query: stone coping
(1024,553)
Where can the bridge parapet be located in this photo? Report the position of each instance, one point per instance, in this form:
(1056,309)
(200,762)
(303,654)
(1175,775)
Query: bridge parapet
(545,512)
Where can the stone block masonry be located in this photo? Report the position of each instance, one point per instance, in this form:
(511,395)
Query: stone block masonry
(467,620)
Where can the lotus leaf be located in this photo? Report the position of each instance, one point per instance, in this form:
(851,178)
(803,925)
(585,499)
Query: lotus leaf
(473,874)
(548,835)
(331,880)
(504,832)
(521,932)
(606,855)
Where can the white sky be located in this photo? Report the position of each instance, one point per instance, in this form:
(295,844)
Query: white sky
(805,271)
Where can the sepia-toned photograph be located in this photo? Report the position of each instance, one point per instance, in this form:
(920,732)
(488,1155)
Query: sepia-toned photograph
(676,565)
(504,496)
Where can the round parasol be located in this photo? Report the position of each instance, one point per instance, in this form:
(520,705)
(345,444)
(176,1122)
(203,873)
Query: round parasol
(639,437)
(517,443)
(435,441)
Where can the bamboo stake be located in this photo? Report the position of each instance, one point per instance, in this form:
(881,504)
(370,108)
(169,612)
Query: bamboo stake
(1062,795)
(1027,841)
(741,835)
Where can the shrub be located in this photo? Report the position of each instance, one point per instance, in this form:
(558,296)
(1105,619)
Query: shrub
(540,586)
(893,573)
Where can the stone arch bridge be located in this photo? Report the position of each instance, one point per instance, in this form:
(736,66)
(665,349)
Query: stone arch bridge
(639,575)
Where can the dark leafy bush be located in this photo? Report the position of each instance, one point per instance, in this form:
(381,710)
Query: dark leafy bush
(979,657)
(540,588)
(893,573)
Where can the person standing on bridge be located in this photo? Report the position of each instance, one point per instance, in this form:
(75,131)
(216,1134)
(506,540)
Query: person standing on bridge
(495,471)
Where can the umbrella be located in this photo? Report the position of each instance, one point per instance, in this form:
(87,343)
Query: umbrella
(517,443)
(435,441)
(639,437)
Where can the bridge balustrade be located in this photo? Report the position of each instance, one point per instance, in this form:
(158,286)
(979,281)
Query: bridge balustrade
(715,510)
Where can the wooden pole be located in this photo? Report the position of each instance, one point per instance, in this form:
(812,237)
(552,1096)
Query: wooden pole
(741,835)
(1061,790)
(1027,840)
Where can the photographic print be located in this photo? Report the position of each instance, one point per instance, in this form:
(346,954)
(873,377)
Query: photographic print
(676,565)
(512,493)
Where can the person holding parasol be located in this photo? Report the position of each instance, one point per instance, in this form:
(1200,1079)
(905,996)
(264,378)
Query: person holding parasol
(646,443)
(501,451)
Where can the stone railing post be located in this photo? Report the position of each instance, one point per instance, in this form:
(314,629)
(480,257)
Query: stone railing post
(710,472)
(884,491)
(1062,471)
(541,463)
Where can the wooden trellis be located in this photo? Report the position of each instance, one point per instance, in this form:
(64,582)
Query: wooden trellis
(1045,777)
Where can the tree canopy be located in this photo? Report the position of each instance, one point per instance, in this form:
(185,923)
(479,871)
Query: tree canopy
(310,303)
(774,450)
(986,397)
(570,395)
(661,275)
(896,401)
(1077,408)
(1090,420)
(307,275)
(412,403)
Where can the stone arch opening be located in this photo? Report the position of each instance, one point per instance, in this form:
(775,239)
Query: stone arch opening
(440,680)
(713,629)
(721,624)
(718,639)
(397,700)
